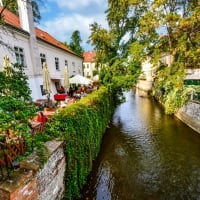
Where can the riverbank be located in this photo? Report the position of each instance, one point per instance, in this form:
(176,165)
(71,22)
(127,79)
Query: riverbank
(190,115)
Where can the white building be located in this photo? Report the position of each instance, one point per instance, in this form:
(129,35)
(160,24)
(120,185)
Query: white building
(31,46)
(147,76)
(89,63)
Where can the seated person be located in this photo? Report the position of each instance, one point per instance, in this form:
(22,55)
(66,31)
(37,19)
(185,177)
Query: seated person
(41,118)
(62,89)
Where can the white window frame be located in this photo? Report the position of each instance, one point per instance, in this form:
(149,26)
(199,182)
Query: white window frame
(66,63)
(20,56)
(43,58)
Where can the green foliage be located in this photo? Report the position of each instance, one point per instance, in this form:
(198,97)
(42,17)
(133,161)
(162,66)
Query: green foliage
(81,126)
(175,99)
(75,43)
(104,44)
(16,105)
(170,89)
(122,75)
(150,30)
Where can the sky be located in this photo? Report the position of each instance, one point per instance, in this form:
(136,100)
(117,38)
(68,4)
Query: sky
(60,18)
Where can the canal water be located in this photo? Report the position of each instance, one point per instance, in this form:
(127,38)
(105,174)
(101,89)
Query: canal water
(146,155)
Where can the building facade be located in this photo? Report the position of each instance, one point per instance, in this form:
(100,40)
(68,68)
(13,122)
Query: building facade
(26,44)
(89,64)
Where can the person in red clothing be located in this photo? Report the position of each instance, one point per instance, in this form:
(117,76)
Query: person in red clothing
(62,89)
(41,118)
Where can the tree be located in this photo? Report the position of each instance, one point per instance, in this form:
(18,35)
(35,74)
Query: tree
(16,106)
(112,48)
(75,43)
(180,24)
(103,43)
(142,29)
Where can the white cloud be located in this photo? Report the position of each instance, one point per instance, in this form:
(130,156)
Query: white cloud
(77,4)
(62,26)
(61,17)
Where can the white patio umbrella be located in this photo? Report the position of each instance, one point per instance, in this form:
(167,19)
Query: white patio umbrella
(46,80)
(78,79)
(7,66)
(66,78)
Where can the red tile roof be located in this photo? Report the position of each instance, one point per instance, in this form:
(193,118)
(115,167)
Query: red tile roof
(48,38)
(89,56)
(12,19)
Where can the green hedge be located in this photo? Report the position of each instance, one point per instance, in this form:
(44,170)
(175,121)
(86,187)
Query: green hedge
(81,126)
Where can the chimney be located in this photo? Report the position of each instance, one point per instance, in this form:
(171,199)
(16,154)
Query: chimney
(26,15)
(27,24)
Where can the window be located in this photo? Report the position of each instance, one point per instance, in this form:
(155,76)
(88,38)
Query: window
(88,66)
(20,57)
(57,63)
(79,70)
(42,90)
(66,63)
(43,58)
(74,67)
(57,85)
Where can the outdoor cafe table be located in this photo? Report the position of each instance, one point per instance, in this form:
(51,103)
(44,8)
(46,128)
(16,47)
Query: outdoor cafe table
(60,97)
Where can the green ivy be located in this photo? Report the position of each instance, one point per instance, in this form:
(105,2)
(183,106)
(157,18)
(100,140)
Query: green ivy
(81,126)
(169,87)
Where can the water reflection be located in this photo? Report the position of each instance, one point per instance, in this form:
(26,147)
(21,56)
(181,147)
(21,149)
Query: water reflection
(146,155)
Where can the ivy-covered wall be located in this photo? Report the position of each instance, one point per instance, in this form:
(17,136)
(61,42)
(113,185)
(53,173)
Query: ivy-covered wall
(81,126)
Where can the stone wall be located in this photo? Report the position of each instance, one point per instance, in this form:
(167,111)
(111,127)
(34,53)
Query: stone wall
(144,88)
(190,115)
(35,181)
